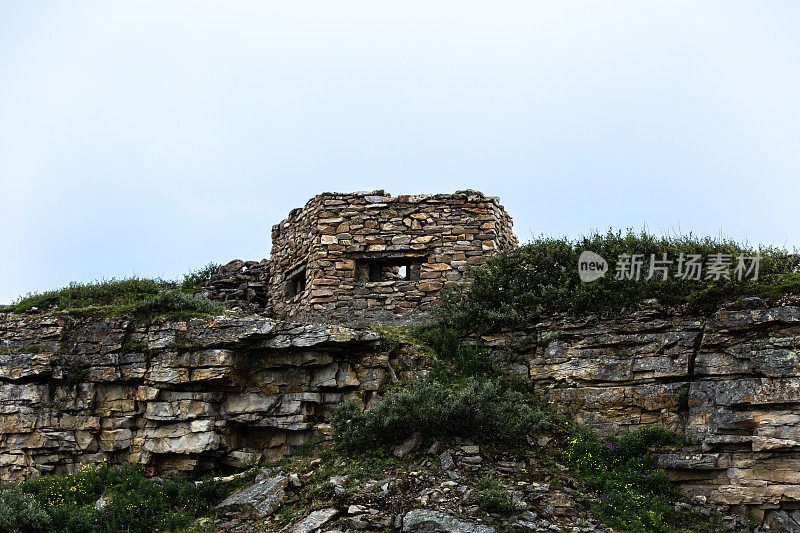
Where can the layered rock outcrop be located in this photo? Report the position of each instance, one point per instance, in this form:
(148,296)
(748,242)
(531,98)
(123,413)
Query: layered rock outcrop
(731,382)
(207,392)
(182,395)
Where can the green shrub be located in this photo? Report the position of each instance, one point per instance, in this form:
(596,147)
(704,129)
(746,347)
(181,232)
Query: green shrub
(106,292)
(174,301)
(541,277)
(465,359)
(197,279)
(682,399)
(21,513)
(483,410)
(136,502)
(632,494)
(493,497)
(639,441)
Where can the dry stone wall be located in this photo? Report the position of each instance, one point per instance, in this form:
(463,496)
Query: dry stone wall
(240,285)
(185,395)
(730,382)
(366,257)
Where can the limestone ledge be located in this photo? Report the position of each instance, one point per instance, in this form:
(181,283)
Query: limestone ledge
(179,395)
(731,382)
(212,391)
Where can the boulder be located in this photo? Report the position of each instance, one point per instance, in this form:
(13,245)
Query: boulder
(314,520)
(446,460)
(256,501)
(427,521)
(410,444)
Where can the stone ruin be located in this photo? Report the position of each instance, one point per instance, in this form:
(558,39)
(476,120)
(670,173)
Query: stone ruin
(240,285)
(368,256)
(211,392)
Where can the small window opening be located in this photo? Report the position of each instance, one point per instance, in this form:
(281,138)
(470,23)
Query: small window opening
(296,284)
(389,270)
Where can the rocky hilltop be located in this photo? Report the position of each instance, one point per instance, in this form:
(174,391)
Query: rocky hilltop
(213,392)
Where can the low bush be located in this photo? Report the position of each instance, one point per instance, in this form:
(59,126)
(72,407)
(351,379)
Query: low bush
(194,280)
(541,277)
(462,359)
(632,494)
(79,295)
(174,301)
(143,298)
(21,513)
(493,497)
(135,502)
(482,410)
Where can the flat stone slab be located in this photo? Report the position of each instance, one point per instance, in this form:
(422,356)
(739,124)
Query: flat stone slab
(427,521)
(256,501)
(314,520)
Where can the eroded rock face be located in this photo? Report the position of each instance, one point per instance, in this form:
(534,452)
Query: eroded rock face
(180,395)
(730,382)
(204,392)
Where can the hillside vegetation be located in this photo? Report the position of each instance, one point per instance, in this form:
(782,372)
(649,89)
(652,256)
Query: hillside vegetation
(138,297)
(541,277)
(484,444)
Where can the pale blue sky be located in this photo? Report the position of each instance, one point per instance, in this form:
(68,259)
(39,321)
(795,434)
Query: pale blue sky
(151,138)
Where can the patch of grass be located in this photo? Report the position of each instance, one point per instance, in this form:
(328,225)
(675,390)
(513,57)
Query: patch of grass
(142,298)
(129,345)
(26,349)
(172,302)
(541,278)
(75,375)
(99,293)
(371,467)
(402,334)
(194,281)
(287,513)
(308,447)
(486,410)
(493,497)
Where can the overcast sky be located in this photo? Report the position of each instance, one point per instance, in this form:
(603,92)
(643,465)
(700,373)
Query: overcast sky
(151,138)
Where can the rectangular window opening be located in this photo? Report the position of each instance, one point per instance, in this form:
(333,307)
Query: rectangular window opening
(295,284)
(401,269)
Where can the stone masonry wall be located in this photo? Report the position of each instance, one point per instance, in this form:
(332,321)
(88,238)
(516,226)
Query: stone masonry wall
(187,395)
(372,257)
(730,382)
(240,285)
